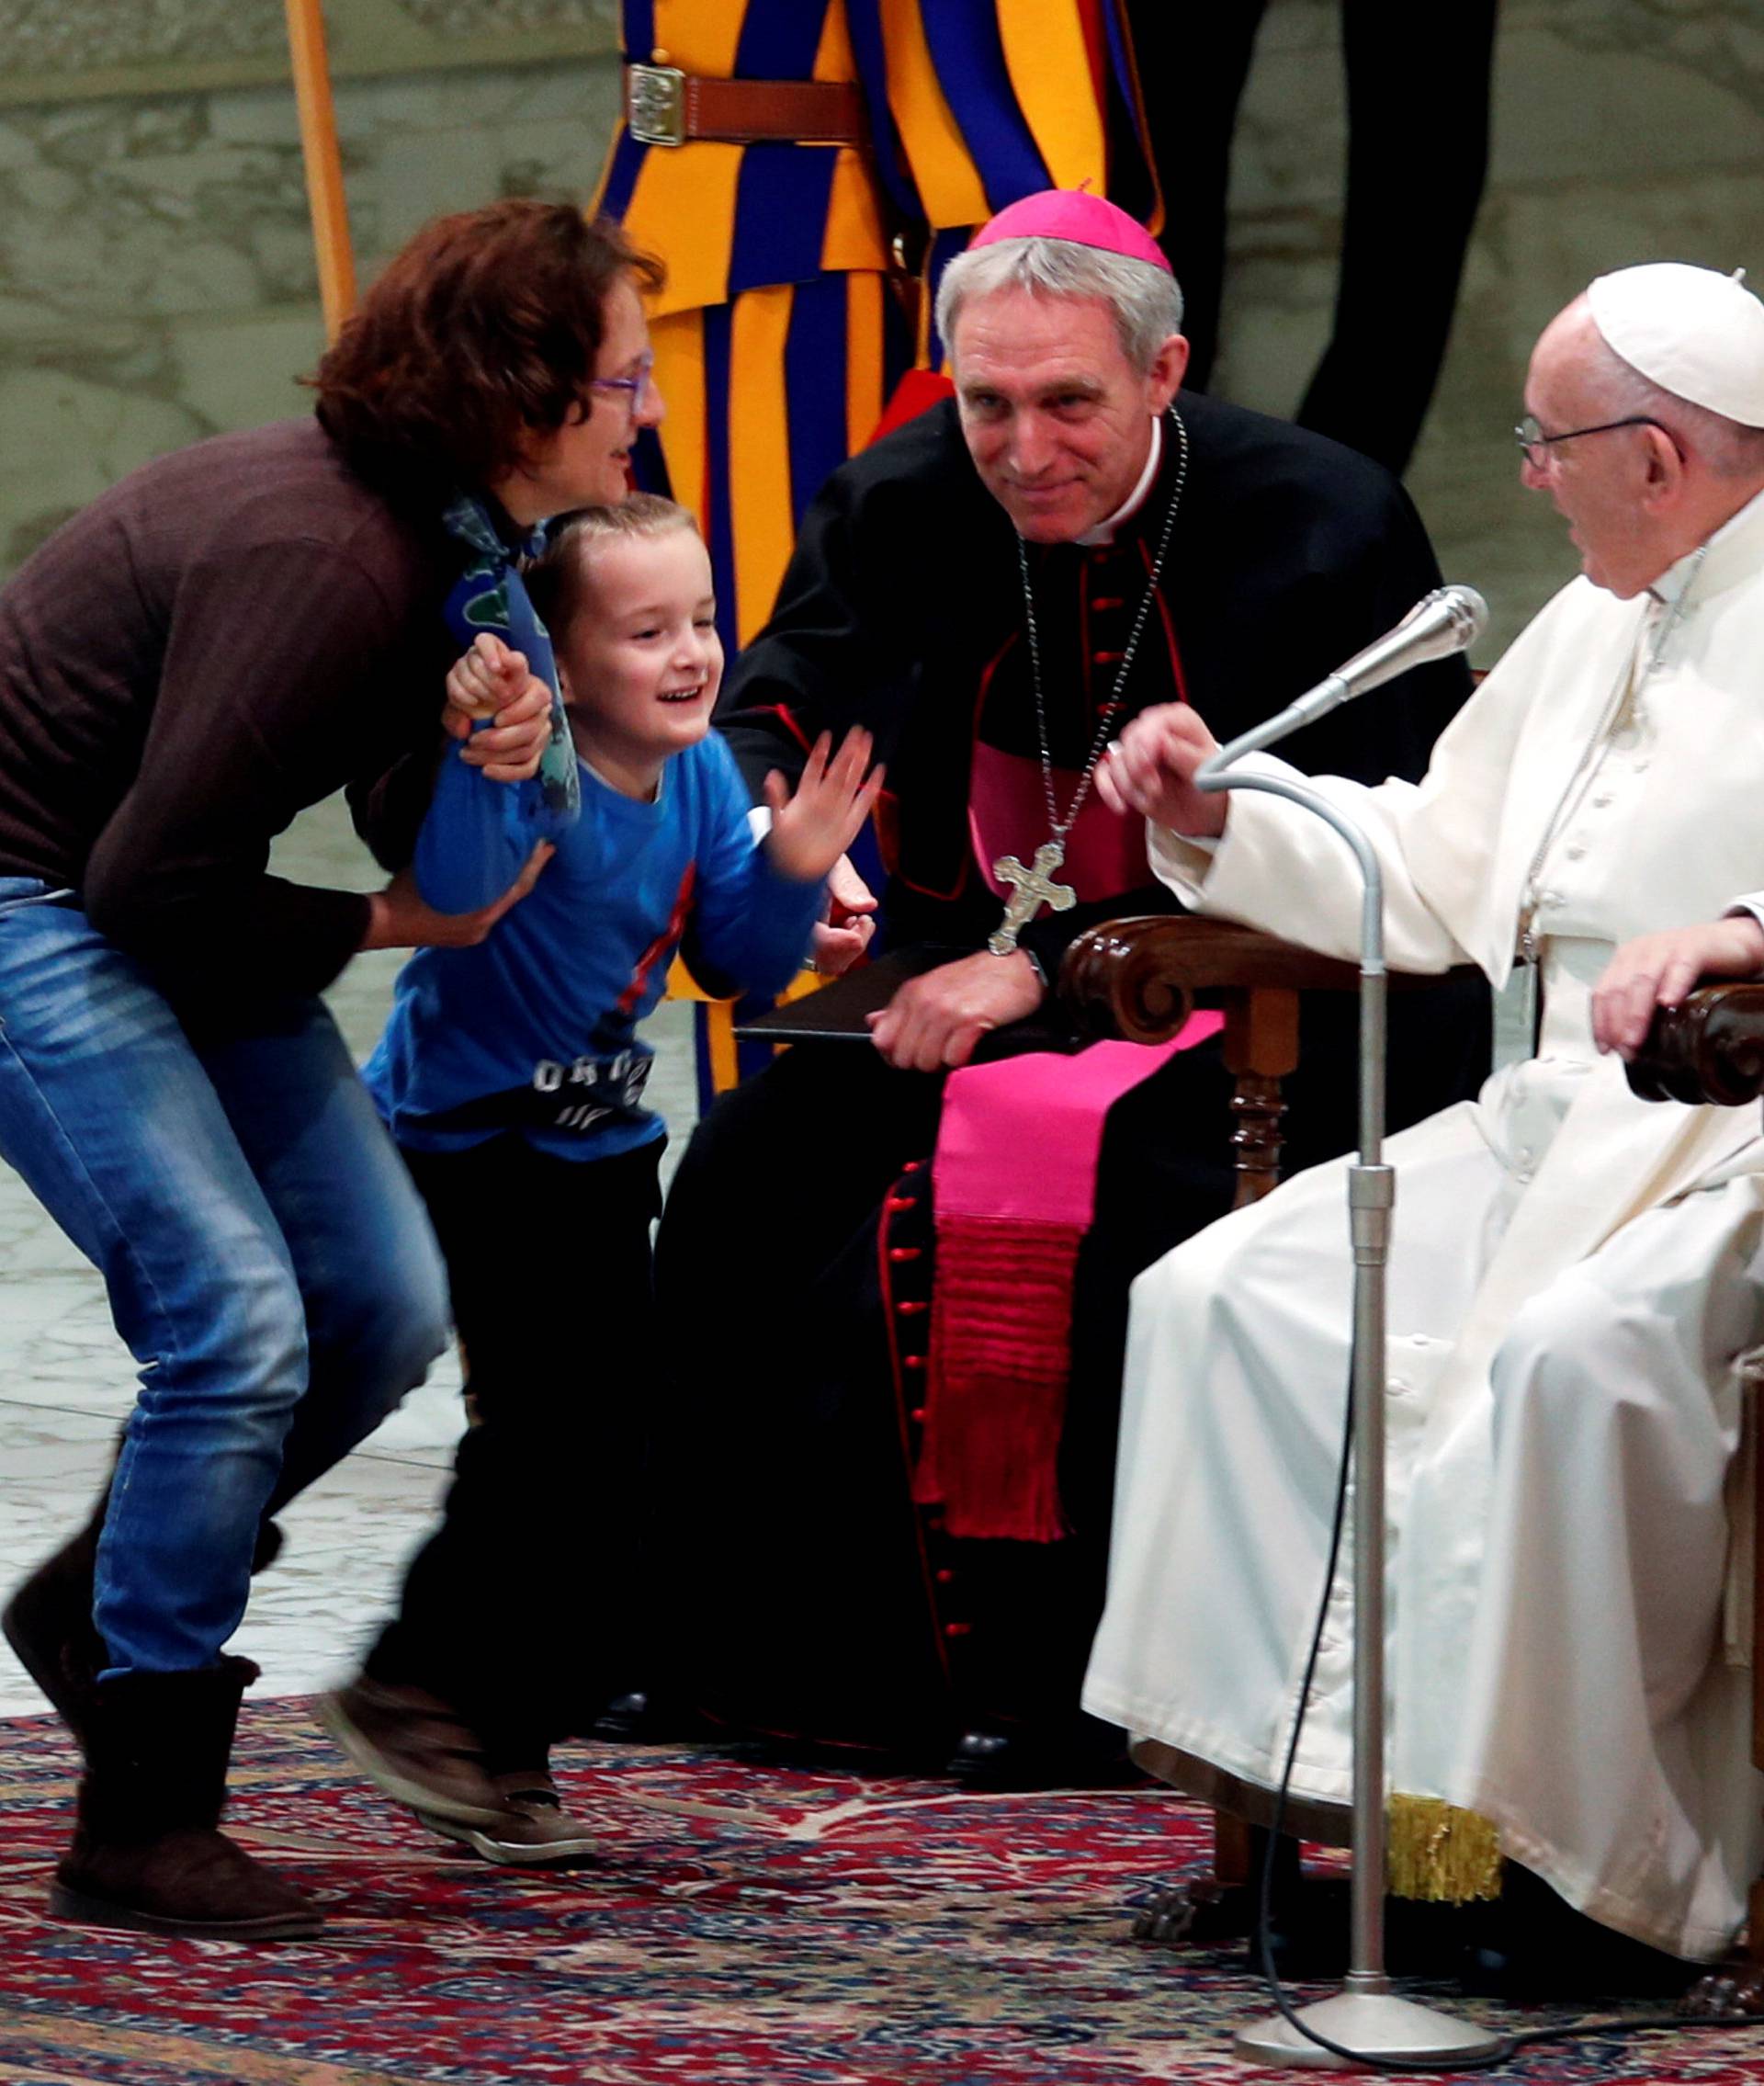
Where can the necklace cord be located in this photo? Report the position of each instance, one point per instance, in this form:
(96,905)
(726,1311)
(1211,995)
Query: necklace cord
(1059,827)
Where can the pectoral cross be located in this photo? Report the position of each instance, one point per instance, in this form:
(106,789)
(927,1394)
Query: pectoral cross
(1035,888)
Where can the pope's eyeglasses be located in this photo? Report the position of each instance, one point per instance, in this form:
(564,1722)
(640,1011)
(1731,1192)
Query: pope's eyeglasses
(1537,445)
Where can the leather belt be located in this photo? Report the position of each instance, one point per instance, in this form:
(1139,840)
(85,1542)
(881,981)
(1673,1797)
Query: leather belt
(664,105)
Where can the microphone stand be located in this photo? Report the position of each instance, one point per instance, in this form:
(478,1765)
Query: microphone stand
(1366,2018)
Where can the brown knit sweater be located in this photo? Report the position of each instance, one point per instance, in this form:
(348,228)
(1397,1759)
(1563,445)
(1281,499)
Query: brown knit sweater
(230,634)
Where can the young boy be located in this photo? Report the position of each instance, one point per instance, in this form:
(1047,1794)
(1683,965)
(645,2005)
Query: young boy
(512,1076)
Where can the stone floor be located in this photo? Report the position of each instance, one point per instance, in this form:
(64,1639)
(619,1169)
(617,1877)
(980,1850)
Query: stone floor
(66,1380)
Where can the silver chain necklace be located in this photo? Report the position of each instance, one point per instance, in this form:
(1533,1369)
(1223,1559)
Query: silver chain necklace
(1034,887)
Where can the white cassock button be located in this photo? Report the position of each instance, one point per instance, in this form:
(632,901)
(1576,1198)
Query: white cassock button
(1576,849)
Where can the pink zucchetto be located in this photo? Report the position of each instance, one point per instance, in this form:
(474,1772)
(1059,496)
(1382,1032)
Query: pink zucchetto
(1071,214)
(1697,333)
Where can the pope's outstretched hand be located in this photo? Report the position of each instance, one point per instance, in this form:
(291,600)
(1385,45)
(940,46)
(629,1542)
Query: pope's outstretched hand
(1149,772)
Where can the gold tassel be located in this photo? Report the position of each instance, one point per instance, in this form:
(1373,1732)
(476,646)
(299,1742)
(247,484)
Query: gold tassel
(1440,1853)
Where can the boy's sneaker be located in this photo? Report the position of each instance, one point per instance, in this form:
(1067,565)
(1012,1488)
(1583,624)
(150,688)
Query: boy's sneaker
(533,1832)
(417,1749)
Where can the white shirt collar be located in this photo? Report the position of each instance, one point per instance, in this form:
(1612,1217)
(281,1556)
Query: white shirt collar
(1672,582)
(1104,530)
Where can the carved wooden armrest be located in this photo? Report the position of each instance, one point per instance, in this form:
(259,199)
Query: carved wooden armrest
(1708,1049)
(1139,977)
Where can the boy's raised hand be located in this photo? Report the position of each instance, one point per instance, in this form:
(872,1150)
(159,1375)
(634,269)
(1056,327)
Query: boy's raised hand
(492,681)
(811,829)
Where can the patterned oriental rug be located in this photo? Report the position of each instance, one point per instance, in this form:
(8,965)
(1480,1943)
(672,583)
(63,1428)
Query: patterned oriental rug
(750,1925)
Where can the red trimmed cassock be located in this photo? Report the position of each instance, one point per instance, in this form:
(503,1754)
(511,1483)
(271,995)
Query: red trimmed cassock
(792,1256)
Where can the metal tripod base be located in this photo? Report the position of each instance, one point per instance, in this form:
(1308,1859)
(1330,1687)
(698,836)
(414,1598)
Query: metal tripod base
(1379,2024)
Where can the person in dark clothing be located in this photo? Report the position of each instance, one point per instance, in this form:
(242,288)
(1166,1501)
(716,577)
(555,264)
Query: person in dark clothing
(232,633)
(1417,93)
(992,592)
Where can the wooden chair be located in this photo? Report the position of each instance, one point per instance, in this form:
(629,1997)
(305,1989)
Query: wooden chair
(717,1045)
(1141,978)
(1711,1049)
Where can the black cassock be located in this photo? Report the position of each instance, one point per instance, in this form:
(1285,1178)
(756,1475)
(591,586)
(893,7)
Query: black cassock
(801,1592)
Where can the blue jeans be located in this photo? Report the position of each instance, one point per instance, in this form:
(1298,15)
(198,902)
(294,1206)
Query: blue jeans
(268,1260)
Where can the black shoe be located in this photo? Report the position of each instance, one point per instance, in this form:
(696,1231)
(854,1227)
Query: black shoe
(1309,1926)
(1538,1947)
(1032,1757)
(639,1718)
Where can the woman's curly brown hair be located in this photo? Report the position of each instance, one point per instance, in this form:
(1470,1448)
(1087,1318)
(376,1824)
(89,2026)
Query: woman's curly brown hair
(482,331)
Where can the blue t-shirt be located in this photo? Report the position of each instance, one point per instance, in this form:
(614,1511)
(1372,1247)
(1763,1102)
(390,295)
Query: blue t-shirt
(535,1029)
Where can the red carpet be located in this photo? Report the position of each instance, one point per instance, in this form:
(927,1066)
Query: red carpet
(748,1926)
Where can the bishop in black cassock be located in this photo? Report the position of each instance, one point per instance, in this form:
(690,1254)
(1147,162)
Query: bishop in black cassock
(803,1592)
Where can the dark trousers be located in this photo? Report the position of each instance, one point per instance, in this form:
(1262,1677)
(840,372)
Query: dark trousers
(803,1599)
(1417,153)
(518,1608)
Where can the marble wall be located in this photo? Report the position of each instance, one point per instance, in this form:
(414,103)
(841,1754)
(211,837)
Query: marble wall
(156,278)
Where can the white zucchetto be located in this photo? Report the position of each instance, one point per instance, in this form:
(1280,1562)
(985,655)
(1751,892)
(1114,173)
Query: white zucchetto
(1697,333)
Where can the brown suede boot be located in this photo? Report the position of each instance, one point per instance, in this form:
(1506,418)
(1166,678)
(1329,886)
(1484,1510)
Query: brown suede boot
(48,1622)
(146,1852)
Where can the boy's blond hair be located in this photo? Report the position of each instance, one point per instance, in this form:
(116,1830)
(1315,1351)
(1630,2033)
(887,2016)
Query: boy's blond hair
(558,576)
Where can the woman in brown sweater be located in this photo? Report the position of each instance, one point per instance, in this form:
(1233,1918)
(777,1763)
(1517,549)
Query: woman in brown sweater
(232,633)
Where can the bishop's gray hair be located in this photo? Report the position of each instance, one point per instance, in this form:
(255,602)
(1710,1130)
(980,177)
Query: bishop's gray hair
(1146,301)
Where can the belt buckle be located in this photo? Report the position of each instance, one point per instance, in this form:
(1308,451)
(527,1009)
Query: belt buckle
(655,104)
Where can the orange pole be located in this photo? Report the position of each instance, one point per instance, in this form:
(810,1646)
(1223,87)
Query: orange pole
(324,192)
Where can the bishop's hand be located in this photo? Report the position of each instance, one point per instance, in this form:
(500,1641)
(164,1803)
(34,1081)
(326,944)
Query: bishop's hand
(1149,772)
(843,936)
(933,1021)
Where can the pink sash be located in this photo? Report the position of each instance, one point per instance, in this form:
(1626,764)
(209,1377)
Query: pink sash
(1013,1187)
(1007,814)
(1014,1190)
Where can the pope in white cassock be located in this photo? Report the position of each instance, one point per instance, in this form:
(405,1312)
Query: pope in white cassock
(1575,1274)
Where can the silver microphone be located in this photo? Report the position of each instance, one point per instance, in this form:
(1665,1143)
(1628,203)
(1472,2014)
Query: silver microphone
(1449,619)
